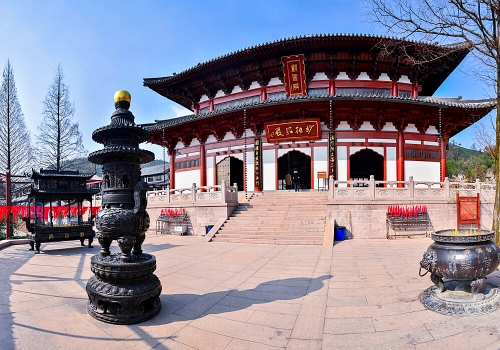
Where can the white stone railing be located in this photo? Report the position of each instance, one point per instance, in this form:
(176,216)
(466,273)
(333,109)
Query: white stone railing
(369,190)
(219,194)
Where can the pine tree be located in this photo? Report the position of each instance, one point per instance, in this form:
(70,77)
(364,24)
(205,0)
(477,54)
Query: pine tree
(59,141)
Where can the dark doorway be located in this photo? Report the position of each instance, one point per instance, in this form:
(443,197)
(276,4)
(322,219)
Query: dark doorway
(365,163)
(290,161)
(231,170)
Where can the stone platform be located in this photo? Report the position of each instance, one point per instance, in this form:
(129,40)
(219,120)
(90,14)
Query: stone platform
(358,294)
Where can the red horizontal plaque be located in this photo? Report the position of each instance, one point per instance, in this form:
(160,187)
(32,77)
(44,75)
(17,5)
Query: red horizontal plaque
(294,73)
(293,130)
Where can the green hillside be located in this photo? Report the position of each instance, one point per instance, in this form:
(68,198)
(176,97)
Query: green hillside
(468,163)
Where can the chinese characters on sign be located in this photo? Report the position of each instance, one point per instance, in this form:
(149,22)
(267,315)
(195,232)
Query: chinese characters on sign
(294,73)
(257,161)
(331,154)
(293,130)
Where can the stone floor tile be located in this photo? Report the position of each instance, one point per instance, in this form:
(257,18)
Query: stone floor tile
(303,344)
(255,333)
(273,320)
(240,344)
(199,338)
(349,325)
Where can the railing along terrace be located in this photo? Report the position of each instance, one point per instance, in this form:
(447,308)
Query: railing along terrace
(370,189)
(195,194)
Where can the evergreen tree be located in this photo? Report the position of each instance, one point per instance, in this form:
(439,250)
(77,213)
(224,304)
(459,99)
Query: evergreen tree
(59,142)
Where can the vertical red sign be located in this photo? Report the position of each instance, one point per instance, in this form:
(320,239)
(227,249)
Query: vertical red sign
(294,72)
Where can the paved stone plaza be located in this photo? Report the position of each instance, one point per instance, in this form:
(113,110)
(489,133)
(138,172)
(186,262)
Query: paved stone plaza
(359,294)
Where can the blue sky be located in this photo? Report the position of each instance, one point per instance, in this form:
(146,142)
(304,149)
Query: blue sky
(104,46)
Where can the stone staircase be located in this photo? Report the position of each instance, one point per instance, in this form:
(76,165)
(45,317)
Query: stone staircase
(277,218)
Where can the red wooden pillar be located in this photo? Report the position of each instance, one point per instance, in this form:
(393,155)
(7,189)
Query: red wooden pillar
(263,94)
(394,89)
(203,166)
(171,152)
(400,161)
(331,87)
(443,158)
(414,91)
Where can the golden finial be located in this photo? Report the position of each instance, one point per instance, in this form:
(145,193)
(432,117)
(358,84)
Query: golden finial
(122,95)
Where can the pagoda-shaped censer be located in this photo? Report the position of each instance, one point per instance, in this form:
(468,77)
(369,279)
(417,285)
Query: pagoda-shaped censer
(124,289)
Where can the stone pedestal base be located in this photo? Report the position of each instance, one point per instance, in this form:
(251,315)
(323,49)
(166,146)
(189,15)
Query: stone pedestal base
(457,299)
(123,293)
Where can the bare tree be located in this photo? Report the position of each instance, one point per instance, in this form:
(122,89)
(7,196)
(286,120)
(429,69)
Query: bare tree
(15,140)
(474,23)
(59,141)
(484,135)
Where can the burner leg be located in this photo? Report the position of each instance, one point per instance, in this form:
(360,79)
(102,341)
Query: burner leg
(477,285)
(126,243)
(438,281)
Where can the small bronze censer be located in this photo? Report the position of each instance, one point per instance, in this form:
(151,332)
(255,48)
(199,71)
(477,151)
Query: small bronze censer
(459,261)
(124,289)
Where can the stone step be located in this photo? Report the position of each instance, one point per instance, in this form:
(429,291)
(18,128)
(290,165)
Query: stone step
(277,241)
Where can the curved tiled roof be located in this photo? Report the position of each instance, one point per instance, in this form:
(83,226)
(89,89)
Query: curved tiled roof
(263,46)
(263,60)
(432,101)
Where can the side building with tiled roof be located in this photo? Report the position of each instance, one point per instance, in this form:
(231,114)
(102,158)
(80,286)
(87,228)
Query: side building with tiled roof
(320,105)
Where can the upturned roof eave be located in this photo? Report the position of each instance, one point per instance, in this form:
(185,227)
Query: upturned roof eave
(442,103)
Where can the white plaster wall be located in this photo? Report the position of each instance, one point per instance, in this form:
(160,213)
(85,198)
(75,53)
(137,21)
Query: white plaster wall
(254,85)
(384,77)
(211,139)
(363,76)
(342,76)
(250,172)
(219,94)
(210,171)
(320,76)
(413,142)
(229,136)
(186,179)
(432,130)
(404,79)
(382,140)
(274,81)
(343,126)
(431,143)
(236,89)
(179,145)
(320,163)
(342,163)
(192,154)
(411,128)
(389,127)
(195,142)
(350,140)
(203,98)
(390,167)
(269,170)
(422,171)
(366,126)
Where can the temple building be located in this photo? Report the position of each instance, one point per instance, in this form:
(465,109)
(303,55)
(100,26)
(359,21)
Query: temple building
(321,105)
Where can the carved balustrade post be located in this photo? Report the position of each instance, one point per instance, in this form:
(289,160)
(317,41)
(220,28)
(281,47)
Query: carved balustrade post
(411,185)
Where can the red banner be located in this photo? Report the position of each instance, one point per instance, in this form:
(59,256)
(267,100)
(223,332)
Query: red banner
(293,130)
(294,72)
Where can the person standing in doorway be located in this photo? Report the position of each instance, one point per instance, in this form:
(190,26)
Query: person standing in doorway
(288,181)
(296,180)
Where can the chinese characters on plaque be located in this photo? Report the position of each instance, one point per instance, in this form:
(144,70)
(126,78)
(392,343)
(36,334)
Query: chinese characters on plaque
(293,130)
(331,154)
(294,73)
(257,161)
